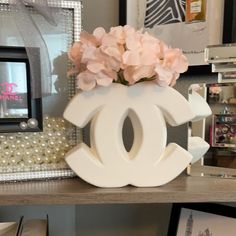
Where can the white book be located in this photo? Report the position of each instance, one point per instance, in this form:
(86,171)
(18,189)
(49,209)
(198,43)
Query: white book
(34,227)
(8,228)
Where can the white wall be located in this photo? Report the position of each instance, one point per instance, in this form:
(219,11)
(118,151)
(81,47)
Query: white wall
(97,13)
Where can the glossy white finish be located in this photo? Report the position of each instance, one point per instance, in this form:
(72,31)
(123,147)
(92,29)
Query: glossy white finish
(199,106)
(197,147)
(149,162)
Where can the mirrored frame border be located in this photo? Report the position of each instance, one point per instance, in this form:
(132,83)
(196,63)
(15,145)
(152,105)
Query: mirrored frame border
(76,7)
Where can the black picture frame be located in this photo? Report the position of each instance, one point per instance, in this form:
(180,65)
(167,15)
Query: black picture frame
(229,31)
(34,105)
(194,208)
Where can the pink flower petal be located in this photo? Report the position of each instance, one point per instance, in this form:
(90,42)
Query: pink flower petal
(174,79)
(142,72)
(95,67)
(180,65)
(118,33)
(148,58)
(88,39)
(99,33)
(103,79)
(164,76)
(89,54)
(133,42)
(163,48)
(131,58)
(113,64)
(112,74)
(128,74)
(128,30)
(113,52)
(75,53)
(101,56)
(174,59)
(109,40)
(86,81)
(150,43)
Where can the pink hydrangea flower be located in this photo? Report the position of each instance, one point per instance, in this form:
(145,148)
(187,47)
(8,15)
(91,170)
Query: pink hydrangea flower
(124,55)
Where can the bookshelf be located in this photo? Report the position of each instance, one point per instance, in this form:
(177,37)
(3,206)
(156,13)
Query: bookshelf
(77,192)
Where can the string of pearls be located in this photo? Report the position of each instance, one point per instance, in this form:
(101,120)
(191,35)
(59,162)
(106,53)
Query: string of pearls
(39,148)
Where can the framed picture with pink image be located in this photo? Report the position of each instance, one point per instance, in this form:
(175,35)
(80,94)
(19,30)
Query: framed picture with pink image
(202,219)
(20,111)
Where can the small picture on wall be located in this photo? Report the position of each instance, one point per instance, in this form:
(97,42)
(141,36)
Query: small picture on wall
(202,220)
(187,24)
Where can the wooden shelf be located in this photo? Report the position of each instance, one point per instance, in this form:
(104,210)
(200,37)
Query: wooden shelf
(75,191)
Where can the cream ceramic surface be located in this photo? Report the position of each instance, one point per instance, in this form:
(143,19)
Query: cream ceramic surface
(149,162)
(197,147)
(199,106)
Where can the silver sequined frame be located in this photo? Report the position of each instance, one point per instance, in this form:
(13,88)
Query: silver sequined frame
(76,8)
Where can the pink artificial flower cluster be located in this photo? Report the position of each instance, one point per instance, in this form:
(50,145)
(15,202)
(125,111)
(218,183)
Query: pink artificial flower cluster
(126,56)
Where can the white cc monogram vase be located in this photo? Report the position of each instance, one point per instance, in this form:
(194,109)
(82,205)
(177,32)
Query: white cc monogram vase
(149,162)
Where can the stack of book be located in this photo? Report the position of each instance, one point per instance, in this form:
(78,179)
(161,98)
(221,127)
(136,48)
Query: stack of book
(31,227)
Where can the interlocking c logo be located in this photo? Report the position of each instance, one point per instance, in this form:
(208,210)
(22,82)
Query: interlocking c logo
(149,162)
(8,88)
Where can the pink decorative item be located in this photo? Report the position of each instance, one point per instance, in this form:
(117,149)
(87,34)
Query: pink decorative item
(126,56)
(110,63)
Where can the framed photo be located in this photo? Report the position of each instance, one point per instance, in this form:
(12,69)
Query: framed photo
(37,155)
(19,111)
(202,219)
(167,21)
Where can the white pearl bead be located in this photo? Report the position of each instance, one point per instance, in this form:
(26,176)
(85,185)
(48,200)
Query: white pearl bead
(11,138)
(28,153)
(36,149)
(7,153)
(54,158)
(38,159)
(13,147)
(46,159)
(29,161)
(23,125)
(32,123)
(13,161)
(3,162)
(5,145)
(43,145)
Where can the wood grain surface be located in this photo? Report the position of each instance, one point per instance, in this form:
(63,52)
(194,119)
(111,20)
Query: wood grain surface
(76,191)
